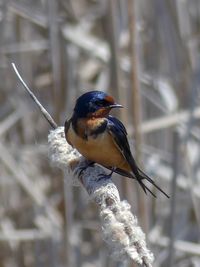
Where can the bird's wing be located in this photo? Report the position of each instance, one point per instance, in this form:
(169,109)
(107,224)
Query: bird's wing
(119,134)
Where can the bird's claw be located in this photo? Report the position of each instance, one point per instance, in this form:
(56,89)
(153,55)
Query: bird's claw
(86,165)
(105,176)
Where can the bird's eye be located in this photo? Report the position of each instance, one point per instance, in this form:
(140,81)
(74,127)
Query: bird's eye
(99,102)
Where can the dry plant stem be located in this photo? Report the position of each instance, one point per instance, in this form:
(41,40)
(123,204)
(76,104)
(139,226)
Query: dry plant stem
(120,228)
(135,87)
(135,90)
(42,109)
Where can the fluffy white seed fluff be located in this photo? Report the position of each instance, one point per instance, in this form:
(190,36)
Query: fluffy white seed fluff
(120,228)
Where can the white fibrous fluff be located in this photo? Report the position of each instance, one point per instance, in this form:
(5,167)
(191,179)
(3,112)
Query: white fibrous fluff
(120,228)
(124,235)
(61,153)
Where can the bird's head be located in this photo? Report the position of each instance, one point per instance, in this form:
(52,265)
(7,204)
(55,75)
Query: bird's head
(94,104)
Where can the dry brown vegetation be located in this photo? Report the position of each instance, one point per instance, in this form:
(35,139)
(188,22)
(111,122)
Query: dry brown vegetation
(146,54)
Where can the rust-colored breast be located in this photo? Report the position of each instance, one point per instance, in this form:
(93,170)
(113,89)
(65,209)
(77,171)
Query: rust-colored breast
(88,126)
(101,149)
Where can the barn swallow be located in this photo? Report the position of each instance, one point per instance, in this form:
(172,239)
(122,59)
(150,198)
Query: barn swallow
(102,138)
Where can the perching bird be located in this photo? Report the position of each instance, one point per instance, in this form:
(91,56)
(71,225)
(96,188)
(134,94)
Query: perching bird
(102,138)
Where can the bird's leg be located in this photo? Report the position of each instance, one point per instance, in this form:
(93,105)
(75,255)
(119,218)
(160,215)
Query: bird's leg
(107,176)
(112,170)
(87,163)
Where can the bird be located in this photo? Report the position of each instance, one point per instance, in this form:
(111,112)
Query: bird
(102,138)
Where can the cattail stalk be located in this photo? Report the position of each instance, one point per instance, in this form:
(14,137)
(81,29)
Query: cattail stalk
(120,228)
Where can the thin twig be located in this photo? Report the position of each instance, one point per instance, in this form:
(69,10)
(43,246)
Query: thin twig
(168,121)
(42,109)
(173,199)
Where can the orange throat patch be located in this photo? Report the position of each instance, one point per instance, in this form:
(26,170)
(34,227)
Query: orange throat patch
(100,113)
(86,126)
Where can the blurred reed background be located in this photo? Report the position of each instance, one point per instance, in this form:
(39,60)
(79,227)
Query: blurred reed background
(146,54)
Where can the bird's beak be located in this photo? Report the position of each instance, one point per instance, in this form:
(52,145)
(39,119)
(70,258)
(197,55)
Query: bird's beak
(115,105)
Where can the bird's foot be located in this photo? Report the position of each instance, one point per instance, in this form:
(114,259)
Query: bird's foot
(105,176)
(87,163)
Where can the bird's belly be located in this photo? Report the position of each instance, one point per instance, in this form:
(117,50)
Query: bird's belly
(100,149)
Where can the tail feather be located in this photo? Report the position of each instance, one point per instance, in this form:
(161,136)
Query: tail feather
(144,187)
(139,175)
(145,176)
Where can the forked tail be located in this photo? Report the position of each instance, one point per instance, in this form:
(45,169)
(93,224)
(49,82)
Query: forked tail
(140,175)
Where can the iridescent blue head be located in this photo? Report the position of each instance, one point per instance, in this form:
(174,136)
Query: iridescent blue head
(94,104)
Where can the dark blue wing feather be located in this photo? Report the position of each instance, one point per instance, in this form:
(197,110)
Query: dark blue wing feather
(118,124)
(119,134)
